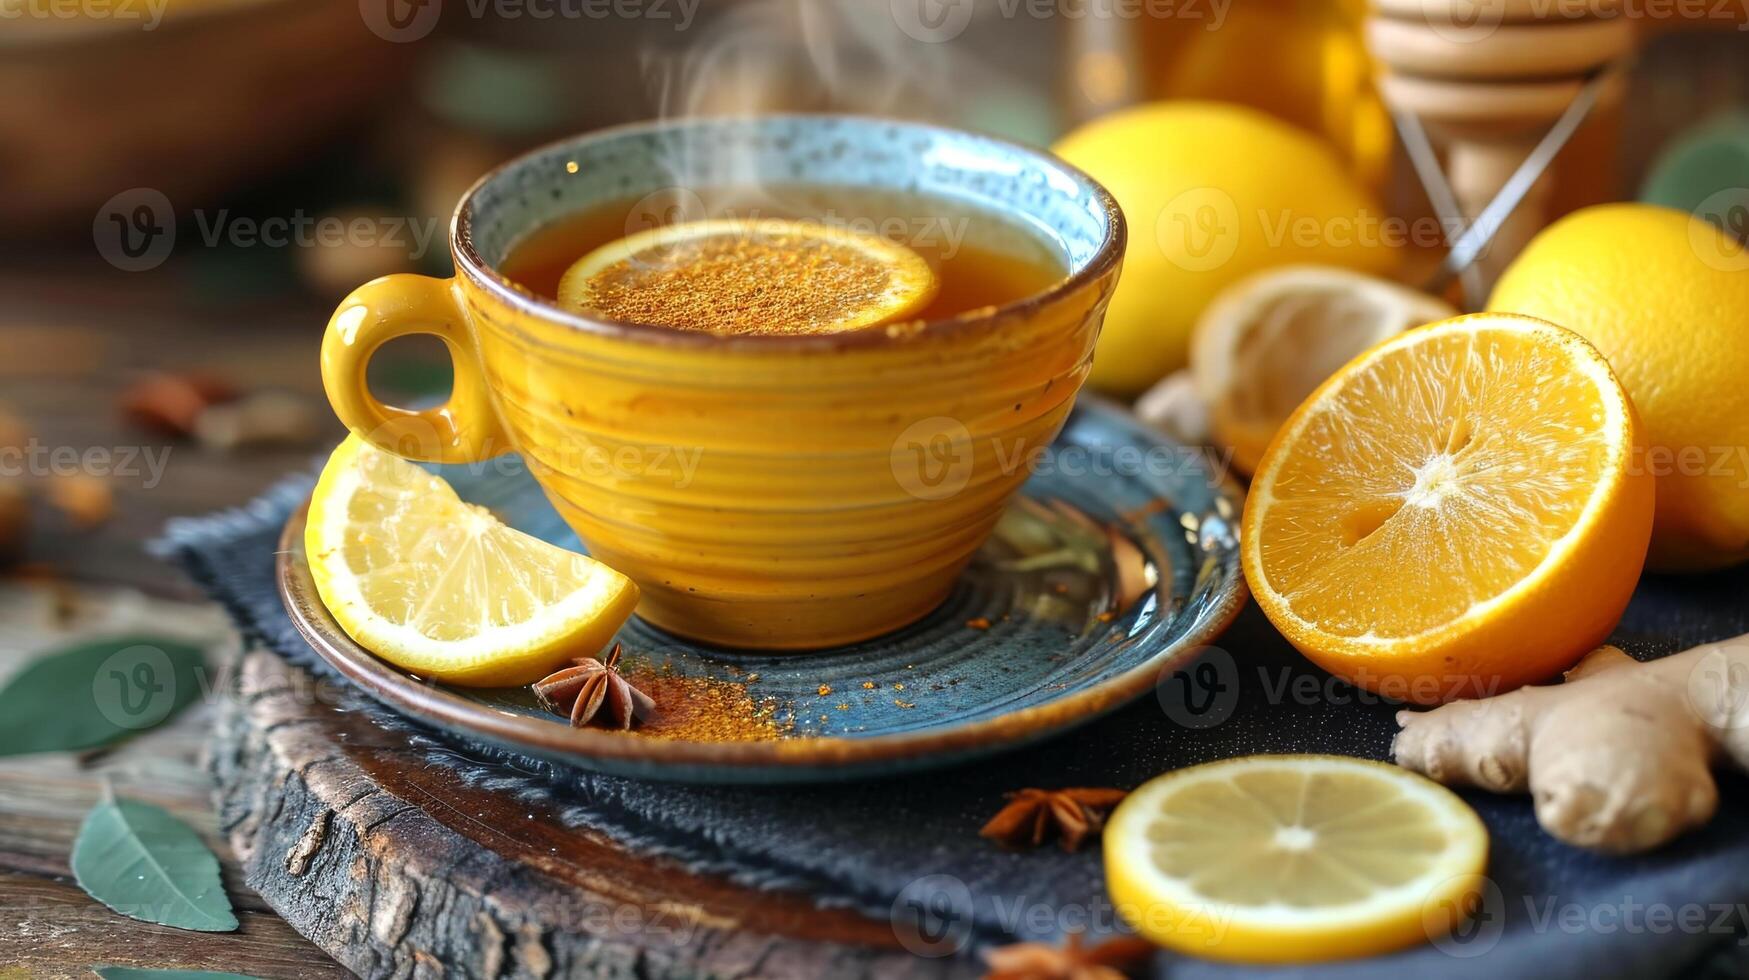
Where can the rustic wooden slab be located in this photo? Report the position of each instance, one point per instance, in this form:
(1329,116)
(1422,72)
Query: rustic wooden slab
(396,867)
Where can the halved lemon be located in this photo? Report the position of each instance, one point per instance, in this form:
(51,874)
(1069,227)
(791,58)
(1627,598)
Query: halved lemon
(1268,340)
(1293,858)
(443,589)
(1458,511)
(745,276)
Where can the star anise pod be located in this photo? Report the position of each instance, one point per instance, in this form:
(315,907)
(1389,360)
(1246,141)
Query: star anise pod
(1110,960)
(1032,814)
(594,689)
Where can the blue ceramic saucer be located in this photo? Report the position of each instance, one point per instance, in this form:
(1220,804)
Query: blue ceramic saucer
(1118,561)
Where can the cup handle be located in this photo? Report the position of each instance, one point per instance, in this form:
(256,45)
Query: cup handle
(464,429)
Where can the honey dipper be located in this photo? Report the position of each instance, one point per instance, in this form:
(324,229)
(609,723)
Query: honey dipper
(1488,79)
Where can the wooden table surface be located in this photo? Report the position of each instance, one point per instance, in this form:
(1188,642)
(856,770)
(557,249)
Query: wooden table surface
(72,333)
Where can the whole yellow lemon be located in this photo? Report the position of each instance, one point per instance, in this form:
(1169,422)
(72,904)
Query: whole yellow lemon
(1665,297)
(1213,192)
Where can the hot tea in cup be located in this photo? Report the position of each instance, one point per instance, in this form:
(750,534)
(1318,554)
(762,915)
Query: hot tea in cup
(794,424)
(783,259)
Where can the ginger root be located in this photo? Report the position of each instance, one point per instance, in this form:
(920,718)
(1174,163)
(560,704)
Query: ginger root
(1618,758)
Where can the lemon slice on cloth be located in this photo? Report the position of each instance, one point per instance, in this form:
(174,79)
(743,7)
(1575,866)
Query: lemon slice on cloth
(443,589)
(1293,858)
(766,276)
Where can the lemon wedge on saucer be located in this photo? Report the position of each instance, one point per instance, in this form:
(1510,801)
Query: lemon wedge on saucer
(443,589)
(1294,858)
(751,276)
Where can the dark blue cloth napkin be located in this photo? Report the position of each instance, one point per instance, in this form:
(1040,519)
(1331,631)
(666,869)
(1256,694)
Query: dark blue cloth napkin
(909,849)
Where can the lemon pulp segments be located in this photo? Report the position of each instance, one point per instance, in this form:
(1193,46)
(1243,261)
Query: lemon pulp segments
(739,276)
(443,589)
(1455,512)
(1424,500)
(1292,858)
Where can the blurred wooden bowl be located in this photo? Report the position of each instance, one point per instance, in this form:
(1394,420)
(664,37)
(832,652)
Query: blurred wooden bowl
(216,93)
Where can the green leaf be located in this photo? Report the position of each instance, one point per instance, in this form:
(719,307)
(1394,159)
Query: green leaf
(147,865)
(134,973)
(91,695)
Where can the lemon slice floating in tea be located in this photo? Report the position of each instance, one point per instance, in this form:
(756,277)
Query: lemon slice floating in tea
(751,276)
(440,587)
(1293,858)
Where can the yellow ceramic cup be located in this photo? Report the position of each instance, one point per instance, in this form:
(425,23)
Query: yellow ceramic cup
(777,492)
